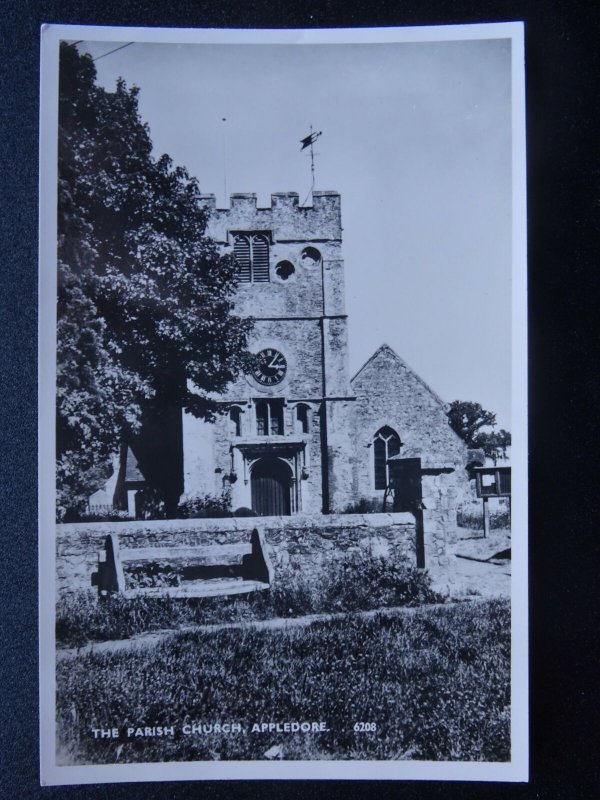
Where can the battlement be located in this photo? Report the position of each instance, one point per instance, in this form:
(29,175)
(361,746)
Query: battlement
(285,216)
(321,198)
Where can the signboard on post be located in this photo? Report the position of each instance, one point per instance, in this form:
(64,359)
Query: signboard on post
(492,482)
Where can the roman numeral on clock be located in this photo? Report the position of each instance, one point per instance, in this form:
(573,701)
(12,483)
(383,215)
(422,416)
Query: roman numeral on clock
(271,367)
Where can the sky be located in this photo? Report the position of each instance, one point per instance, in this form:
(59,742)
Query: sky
(417,140)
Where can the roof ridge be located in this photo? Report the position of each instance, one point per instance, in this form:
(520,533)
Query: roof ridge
(385,347)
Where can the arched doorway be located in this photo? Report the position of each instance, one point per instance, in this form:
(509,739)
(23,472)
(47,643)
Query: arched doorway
(271,481)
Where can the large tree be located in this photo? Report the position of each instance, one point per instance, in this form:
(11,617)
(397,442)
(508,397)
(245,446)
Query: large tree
(469,420)
(145,301)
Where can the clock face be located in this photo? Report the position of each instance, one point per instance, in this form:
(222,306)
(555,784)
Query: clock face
(270,368)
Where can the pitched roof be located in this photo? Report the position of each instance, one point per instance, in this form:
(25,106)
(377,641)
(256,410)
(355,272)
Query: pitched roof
(386,349)
(132,469)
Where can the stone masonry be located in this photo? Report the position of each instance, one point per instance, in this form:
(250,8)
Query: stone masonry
(389,393)
(299,541)
(310,434)
(298,312)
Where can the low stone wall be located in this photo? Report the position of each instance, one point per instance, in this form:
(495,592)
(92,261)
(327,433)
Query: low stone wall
(299,541)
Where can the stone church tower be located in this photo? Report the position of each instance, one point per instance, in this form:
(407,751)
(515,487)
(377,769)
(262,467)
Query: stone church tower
(282,445)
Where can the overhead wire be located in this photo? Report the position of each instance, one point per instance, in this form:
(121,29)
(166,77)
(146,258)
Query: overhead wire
(112,51)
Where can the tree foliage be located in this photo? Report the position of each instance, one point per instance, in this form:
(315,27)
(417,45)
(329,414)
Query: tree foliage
(468,420)
(495,444)
(145,301)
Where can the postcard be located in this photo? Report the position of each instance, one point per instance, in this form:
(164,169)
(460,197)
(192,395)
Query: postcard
(283,404)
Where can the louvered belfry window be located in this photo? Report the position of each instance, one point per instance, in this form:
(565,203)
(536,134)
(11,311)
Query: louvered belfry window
(251,251)
(241,251)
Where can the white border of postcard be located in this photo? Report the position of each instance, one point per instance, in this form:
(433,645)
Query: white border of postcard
(51,774)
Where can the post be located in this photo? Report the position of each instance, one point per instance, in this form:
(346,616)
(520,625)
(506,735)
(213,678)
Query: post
(486,517)
(420,536)
(131,509)
(110,576)
(257,566)
(312,160)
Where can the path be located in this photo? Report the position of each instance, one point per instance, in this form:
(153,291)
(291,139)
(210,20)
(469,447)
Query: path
(470,573)
(155,637)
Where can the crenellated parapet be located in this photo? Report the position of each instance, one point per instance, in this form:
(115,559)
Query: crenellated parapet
(285,217)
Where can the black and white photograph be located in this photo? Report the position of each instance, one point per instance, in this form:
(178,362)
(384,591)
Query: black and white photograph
(283,395)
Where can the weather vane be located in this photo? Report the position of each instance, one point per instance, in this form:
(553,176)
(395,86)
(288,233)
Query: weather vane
(308,141)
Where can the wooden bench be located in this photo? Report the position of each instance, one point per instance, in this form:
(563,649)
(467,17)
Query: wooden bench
(183,571)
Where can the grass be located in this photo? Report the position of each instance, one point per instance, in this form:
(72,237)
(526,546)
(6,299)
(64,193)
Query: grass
(471,516)
(357,582)
(474,545)
(435,682)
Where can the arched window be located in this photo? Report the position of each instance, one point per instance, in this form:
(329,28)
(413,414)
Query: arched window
(251,251)
(302,417)
(235,415)
(386,443)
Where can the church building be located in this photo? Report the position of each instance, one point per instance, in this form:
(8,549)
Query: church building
(299,434)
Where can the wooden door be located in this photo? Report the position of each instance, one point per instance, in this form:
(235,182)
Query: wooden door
(405,477)
(270,483)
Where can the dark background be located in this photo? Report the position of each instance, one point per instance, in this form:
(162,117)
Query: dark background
(561,44)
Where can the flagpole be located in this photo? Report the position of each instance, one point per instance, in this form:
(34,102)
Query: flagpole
(225,199)
(312,161)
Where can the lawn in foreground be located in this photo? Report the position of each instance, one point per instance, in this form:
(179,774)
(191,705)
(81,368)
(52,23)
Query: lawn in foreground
(433,682)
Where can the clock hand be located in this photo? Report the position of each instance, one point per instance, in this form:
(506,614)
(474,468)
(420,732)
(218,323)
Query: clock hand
(274,362)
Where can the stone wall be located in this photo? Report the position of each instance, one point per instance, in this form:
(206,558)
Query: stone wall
(389,393)
(341,451)
(299,541)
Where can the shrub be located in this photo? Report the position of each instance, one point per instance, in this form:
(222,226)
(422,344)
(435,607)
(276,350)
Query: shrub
(354,583)
(151,503)
(368,505)
(242,511)
(198,507)
(359,582)
(294,593)
(103,515)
